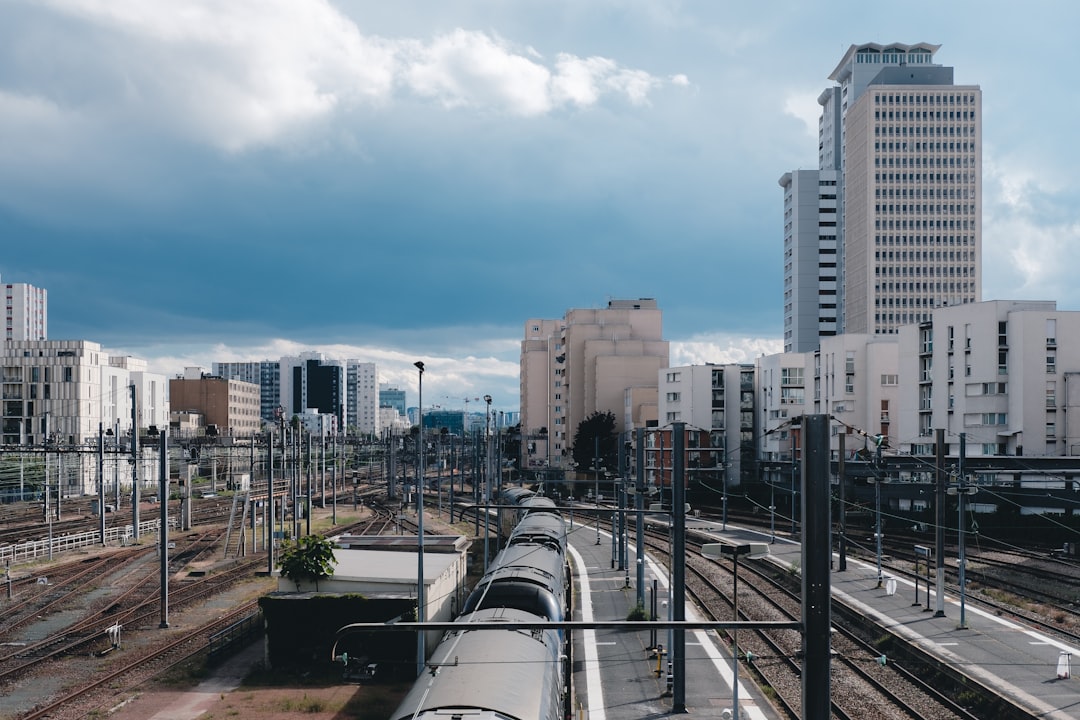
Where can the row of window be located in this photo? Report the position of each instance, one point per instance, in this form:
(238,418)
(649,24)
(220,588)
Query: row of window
(923,270)
(924,240)
(923,98)
(924,208)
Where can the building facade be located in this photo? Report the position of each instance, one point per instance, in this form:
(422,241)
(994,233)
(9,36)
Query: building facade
(229,407)
(1006,374)
(362,398)
(582,364)
(26,312)
(718,399)
(311,382)
(811,302)
(64,396)
(265,373)
(906,143)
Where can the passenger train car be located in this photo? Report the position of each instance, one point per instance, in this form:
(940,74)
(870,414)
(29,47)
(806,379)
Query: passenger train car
(511,674)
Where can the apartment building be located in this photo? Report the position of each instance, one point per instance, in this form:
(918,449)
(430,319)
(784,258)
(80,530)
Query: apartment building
(26,312)
(1004,373)
(362,397)
(581,364)
(65,394)
(811,223)
(264,373)
(717,399)
(229,407)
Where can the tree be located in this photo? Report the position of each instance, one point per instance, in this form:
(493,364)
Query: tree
(309,558)
(599,425)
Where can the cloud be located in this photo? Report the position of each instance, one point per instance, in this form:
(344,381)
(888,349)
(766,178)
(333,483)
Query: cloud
(721,348)
(447,378)
(804,107)
(1029,225)
(253,73)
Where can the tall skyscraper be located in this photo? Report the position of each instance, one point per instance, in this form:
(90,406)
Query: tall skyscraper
(906,143)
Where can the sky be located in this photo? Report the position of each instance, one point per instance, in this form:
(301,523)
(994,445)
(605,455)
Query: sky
(200,181)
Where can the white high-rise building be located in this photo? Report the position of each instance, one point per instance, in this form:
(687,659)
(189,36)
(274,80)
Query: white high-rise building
(907,145)
(26,312)
(362,397)
(810,258)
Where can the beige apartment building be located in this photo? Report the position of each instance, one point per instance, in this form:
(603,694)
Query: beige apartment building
(581,364)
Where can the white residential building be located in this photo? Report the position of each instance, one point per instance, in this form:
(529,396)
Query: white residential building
(856,381)
(720,400)
(1004,373)
(781,391)
(810,258)
(64,394)
(26,312)
(362,397)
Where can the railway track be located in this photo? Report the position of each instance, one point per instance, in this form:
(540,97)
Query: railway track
(862,687)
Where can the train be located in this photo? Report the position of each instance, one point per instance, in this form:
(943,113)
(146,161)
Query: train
(511,674)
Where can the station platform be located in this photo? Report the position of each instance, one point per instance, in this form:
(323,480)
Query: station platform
(615,671)
(1016,661)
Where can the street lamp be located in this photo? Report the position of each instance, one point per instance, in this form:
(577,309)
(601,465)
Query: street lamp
(960,490)
(487,480)
(877,481)
(420,614)
(751,551)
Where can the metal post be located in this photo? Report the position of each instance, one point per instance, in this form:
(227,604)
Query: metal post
(101,480)
(596,496)
(735,637)
(163,524)
(724,479)
(794,471)
(939,514)
(639,505)
(961,560)
(816,593)
(134,467)
(421,610)
(842,479)
(268,511)
(487,481)
(678,515)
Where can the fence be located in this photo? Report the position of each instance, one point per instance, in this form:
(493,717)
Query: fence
(34,549)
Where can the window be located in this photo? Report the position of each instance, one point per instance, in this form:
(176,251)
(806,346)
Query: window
(1051,394)
(673,416)
(1051,362)
(791,376)
(673,377)
(673,396)
(890,380)
(791,395)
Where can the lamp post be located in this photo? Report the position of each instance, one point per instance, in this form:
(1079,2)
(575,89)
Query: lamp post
(487,480)
(420,614)
(960,490)
(596,497)
(750,551)
(877,480)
